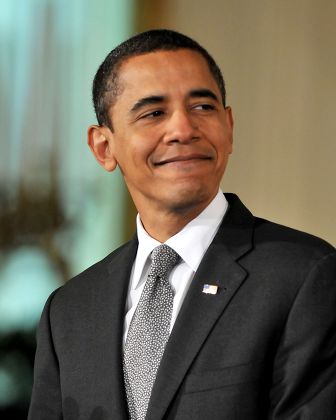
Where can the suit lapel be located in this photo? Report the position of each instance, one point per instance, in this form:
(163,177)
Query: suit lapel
(200,311)
(110,299)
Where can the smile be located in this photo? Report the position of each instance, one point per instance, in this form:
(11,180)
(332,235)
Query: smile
(183,159)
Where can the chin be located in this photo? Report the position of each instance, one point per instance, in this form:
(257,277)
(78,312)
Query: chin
(188,198)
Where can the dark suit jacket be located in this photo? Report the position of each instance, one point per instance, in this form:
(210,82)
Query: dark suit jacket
(263,347)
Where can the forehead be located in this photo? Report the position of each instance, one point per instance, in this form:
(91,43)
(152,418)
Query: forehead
(162,71)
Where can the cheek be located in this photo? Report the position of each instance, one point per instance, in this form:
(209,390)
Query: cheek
(137,156)
(221,143)
(223,149)
(142,146)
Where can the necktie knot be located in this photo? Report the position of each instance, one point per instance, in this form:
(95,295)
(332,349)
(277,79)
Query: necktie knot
(164,259)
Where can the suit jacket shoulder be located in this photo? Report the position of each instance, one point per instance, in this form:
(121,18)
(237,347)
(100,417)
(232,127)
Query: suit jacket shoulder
(110,271)
(275,240)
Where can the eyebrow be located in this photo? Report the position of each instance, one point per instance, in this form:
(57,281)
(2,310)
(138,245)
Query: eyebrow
(203,93)
(148,100)
(157,99)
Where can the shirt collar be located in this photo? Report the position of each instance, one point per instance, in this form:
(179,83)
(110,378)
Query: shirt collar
(190,243)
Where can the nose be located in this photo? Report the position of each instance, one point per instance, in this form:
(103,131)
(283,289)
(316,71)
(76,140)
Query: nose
(180,128)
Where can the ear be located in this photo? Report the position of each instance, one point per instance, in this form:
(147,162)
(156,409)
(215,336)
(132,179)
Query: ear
(229,123)
(100,141)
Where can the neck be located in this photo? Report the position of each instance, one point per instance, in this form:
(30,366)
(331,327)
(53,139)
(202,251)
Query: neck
(162,225)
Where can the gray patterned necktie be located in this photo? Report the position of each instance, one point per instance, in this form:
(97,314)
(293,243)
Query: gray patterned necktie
(148,332)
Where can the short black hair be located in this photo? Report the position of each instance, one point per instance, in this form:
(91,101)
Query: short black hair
(105,87)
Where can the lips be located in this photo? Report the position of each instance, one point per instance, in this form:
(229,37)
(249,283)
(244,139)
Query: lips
(182,158)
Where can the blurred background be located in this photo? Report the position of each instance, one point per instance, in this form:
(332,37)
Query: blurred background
(60,212)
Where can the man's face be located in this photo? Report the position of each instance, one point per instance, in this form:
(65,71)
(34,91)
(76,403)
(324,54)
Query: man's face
(171,133)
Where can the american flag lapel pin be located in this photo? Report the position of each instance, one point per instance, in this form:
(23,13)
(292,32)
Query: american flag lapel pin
(210,289)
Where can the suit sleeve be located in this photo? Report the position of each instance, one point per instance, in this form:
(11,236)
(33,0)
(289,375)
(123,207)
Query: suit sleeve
(304,375)
(46,402)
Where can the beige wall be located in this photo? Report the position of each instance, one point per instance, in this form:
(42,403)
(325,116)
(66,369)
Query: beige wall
(279,61)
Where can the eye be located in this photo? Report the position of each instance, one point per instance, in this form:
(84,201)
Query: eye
(204,107)
(153,114)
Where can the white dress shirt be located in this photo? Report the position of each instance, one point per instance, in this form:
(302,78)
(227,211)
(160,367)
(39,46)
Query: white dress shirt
(190,243)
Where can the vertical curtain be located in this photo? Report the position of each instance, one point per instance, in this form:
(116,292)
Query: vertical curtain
(59,211)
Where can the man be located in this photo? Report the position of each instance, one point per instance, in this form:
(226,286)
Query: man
(242,325)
